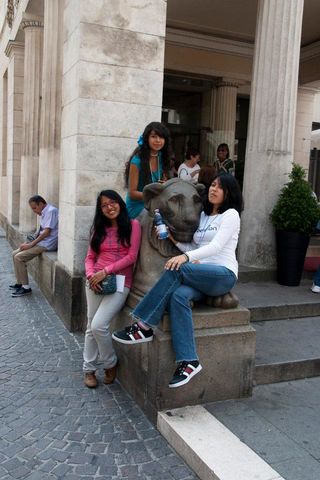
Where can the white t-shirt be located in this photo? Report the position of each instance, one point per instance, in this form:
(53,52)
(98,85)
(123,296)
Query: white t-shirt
(215,240)
(184,172)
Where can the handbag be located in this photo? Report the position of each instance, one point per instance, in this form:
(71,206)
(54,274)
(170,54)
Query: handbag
(108,285)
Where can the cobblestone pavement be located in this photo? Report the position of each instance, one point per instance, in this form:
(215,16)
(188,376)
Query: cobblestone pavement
(52,427)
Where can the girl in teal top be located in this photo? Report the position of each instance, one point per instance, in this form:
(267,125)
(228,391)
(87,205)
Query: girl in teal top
(150,162)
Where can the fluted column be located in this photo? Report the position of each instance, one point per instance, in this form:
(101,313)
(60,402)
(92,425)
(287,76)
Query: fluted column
(15,53)
(33,30)
(271,129)
(225,113)
(50,123)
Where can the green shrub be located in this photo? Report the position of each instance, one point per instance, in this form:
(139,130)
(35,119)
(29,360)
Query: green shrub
(297,208)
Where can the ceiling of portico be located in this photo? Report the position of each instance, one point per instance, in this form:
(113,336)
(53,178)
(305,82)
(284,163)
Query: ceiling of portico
(233,19)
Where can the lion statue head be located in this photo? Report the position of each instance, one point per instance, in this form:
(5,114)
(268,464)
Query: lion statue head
(180,204)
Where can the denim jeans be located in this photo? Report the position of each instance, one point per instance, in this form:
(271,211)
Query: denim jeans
(173,291)
(316,279)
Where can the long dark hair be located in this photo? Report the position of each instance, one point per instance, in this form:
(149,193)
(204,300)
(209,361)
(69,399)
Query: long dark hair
(143,151)
(98,229)
(232,196)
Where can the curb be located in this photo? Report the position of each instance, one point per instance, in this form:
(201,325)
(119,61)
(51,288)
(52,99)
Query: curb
(211,449)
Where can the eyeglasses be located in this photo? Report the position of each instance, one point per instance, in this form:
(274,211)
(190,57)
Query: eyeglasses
(111,203)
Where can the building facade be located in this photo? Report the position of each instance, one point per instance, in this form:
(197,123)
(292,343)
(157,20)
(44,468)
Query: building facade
(80,79)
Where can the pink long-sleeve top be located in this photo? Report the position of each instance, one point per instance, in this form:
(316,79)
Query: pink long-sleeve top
(114,256)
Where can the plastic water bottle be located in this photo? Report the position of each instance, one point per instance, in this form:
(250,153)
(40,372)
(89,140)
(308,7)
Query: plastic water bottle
(161,226)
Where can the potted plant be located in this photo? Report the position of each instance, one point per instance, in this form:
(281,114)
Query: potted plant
(294,217)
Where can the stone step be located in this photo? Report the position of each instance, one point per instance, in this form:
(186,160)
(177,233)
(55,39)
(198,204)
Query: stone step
(267,300)
(210,448)
(248,274)
(287,350)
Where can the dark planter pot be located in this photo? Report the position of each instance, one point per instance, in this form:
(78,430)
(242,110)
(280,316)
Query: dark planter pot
(291,252)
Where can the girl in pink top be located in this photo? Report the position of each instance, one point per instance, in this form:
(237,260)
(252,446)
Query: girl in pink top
(114,246)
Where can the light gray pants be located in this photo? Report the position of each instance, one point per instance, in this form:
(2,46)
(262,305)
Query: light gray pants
(98,342)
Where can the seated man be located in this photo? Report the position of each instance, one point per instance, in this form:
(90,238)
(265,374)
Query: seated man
(46,238)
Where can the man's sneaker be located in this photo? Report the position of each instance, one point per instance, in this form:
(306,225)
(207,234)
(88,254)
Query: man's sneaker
(15,286)
(90,380)
(315,288)
(184,372)
(133,334)
(21,292)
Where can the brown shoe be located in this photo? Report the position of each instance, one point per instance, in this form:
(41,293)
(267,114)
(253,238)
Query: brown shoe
(110,375)
(90,379)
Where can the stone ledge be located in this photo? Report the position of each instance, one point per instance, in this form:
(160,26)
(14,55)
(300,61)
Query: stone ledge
(66,293)
(209,448)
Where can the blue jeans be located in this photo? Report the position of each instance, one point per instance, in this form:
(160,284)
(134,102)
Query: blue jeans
(316,279)
(173,291)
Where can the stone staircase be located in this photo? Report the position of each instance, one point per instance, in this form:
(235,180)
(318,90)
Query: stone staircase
(287,324)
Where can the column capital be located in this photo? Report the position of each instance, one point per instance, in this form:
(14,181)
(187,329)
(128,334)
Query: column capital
(14,47)
(12,6)
(229,82)
(29,21)
(309,89)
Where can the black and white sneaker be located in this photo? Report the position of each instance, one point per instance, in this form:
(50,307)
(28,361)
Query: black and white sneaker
(133,334)
(184,372)
(21,292)
(15,286)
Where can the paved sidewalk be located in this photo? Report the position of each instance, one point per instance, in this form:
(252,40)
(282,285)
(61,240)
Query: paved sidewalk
(52,427)
(281,423)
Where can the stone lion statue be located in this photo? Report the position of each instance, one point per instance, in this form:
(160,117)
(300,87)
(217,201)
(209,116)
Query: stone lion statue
(180,204)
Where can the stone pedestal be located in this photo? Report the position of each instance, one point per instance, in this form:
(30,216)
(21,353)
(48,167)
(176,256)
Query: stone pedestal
(226,348)
(33,30)
(225,114)
(272,115)
(50,124)
(15,52)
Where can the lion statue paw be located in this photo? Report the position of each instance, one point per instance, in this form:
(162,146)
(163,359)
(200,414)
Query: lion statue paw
(229,300)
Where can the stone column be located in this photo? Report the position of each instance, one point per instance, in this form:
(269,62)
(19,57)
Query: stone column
(303,128)
(225,114)
(271,129)
(50,123)
(112,87)
(15,52)
(33,31)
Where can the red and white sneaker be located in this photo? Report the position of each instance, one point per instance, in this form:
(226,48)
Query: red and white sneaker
(184,372)
(133,334)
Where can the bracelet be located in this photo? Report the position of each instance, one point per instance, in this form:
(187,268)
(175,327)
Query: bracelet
(186,257)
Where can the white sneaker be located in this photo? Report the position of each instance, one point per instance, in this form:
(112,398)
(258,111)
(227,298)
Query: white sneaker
(315,288)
